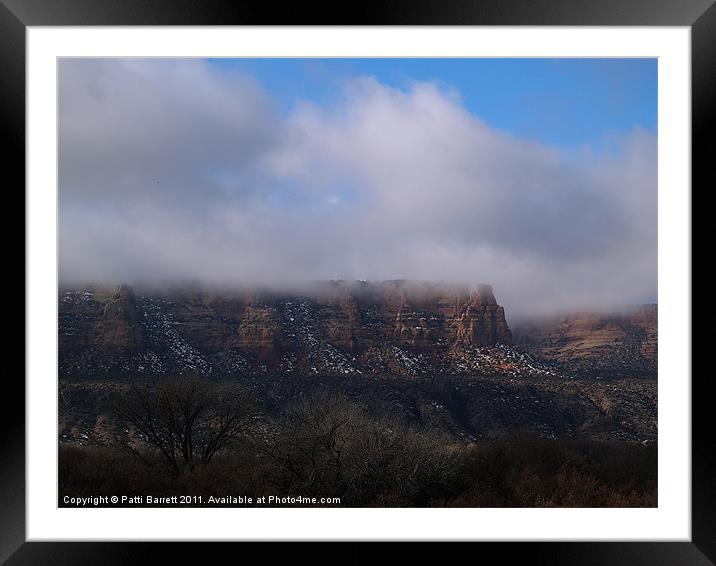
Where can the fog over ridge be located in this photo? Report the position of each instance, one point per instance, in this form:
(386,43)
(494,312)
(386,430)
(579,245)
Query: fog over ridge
(172,170)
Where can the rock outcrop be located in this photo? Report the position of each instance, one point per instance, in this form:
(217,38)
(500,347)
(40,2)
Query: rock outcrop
(481,322)
(122,305)
(619,342)
(120,330)
(335,326)
(259,331)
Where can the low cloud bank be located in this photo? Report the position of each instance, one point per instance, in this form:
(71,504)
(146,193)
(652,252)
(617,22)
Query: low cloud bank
(172,170)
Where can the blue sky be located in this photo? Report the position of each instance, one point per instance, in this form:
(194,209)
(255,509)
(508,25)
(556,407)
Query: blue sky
(568,103)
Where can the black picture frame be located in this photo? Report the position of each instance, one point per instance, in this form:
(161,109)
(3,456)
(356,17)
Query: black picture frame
(17,15)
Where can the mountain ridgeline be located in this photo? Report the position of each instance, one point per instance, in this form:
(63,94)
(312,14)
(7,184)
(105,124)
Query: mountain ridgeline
(437,355)
(338,327)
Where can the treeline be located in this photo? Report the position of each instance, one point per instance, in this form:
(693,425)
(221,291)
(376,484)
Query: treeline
(194,437)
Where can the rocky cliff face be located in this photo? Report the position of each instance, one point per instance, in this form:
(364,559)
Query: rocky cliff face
(340,328)
(481,322)
(260,330)
(119,327)
(330,327)
(619,342)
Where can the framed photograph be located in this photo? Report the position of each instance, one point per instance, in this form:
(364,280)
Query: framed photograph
(419,275)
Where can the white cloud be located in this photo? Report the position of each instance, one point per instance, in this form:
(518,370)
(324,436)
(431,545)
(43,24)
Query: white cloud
(175,170)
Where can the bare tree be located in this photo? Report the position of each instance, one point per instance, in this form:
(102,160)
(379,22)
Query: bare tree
(391,463)
(311,440)
(188,420)
(330,445)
